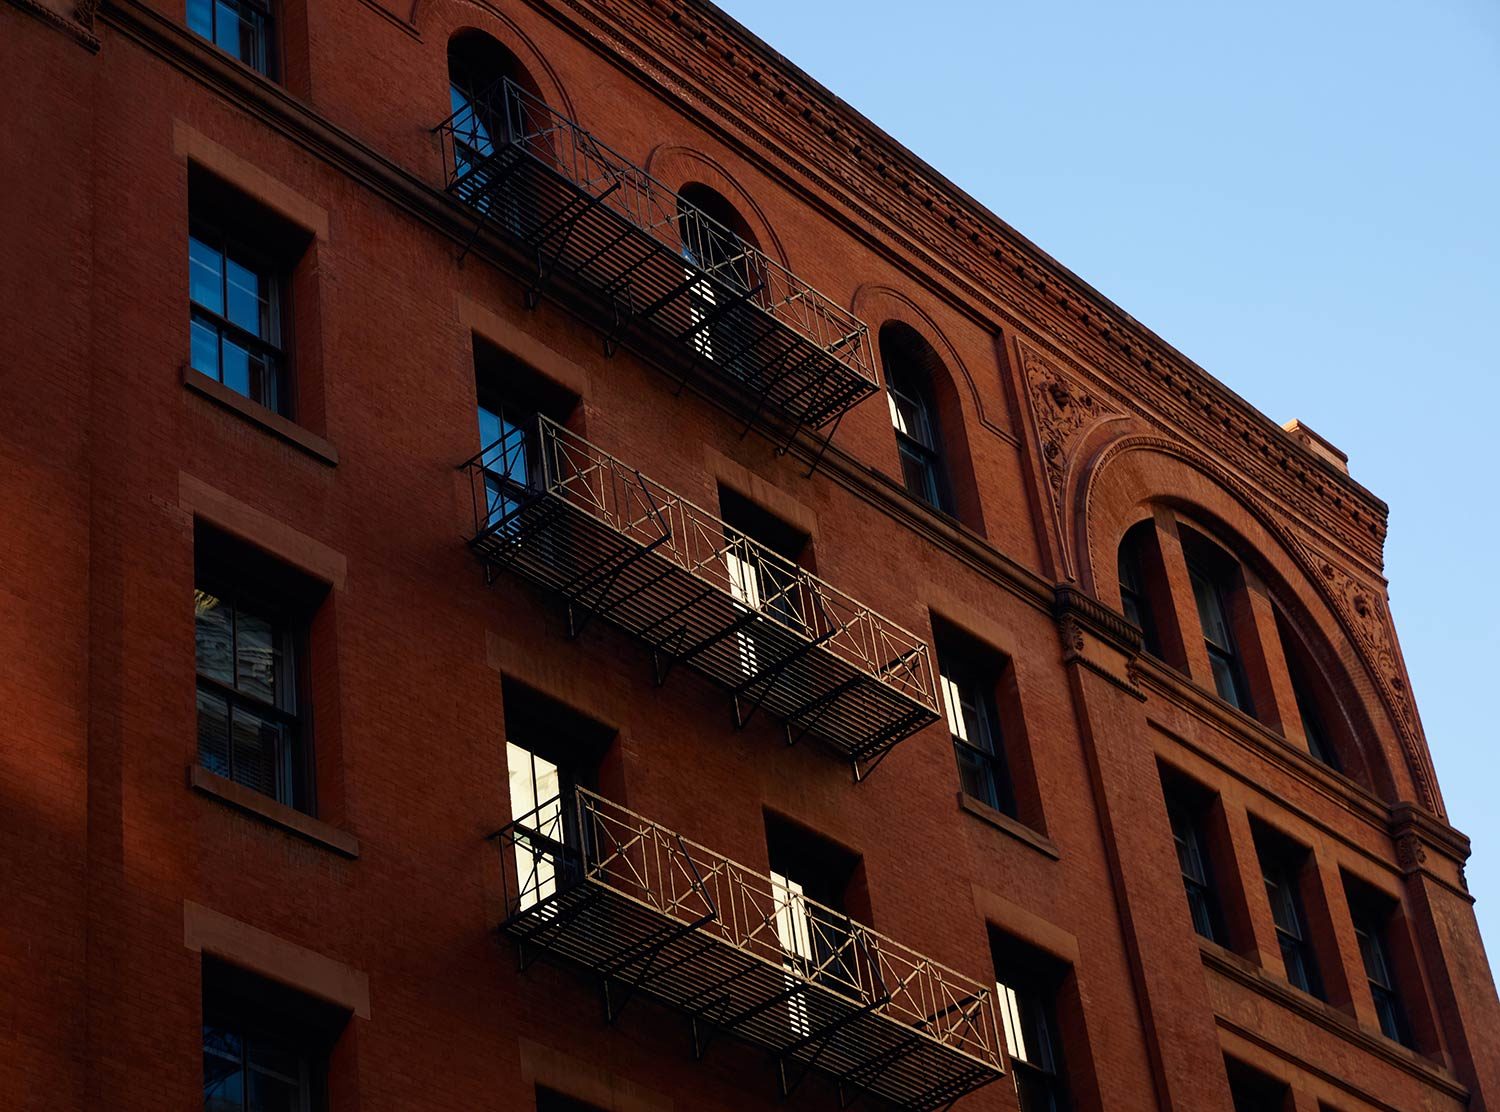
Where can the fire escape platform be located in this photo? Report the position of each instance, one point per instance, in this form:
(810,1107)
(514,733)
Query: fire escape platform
(614,545)
(651,913)
(582,210)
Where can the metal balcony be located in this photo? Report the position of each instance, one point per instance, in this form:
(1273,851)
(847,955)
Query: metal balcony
(595,884)
(616,545)
(538,179)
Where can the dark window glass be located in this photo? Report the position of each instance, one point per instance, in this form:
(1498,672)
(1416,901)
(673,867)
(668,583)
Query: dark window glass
(915,420)
(974,724)
(1253,1091)
(265,1046)
(1370,929)
(245,1073)
(235,320)
(1306,683)
(1030,1026)
(504,436)
(240,28)
(1133,597)
(1213,615)
(1192,860)
(248,724)
(1281,876)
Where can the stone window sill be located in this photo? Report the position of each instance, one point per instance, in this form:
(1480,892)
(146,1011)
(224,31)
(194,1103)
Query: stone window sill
(257,414)
(1004,823)
(268,810)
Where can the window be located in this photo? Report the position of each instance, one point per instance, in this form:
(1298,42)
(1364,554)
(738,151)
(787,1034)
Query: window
(1212,577)
(1253,1091)
(817,886)
(1372,914)
(764,558)
(550,750)
(1307,686)
(265,1046)
(717,241)
(1282,865)
(240,28)
(968,675)
(1186,807)
(510,396)
(478,68)
(236,317)
(914,416)
(1135,598)
(548,1100)
(250,620)
(1026,990)
(245,269)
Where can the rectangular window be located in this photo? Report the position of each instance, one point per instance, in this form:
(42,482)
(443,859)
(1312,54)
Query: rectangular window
(265,1046)
(1027,984)
(1185,808)
(236,318)
(1282,866)
(1253,1091)
(243,262)
(248,724)
(510,396)
(817,885)
(1135,599)
(968,678)
(240,28)
(550,750)
(1372,914)
(250,619)
(764,558)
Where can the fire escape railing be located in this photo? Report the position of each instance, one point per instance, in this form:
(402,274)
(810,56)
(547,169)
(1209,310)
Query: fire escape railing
(616,545)
(536,178)
(596,884)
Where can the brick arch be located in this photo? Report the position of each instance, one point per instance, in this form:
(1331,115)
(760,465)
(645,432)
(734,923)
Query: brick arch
(440,20)
(677,165)
(875,305)
(1123,478)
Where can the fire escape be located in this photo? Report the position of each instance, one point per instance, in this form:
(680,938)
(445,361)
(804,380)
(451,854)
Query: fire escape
(615,545)
(598,886)
(766,339)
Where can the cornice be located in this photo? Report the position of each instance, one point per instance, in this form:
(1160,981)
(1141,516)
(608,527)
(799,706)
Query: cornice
(1237,970)
(705,60)
(79,26)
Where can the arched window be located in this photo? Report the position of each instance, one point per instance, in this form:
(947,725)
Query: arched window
(908,359)
(717,241)
(1318,710)
(1139,566)
(484,118)
(1217,585)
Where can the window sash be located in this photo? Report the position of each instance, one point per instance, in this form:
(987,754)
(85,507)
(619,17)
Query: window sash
(1193,865)
(236,1091)
(261,344)
(248,37)
(1286,912)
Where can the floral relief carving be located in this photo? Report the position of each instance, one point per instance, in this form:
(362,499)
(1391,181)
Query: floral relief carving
(1063,411)
(1410,852)
(1364,611)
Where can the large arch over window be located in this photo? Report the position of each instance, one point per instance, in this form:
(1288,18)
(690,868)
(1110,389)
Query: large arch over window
(928,419)
(1137,475)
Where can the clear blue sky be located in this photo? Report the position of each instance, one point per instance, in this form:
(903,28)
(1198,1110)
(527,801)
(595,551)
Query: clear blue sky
(1301,197)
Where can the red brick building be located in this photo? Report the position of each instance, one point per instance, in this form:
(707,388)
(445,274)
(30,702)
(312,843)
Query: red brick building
(502,384)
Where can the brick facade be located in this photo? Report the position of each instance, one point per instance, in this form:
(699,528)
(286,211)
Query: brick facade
(1063,425)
